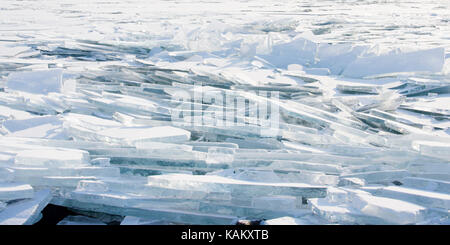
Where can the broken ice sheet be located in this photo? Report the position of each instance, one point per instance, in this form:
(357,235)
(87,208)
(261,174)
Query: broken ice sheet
(359,207)
(391,210)
(49,127)
(27,211)
(168,211)
(52,157)
(221,184)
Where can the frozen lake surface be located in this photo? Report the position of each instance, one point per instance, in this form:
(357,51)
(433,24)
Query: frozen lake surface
(209,112)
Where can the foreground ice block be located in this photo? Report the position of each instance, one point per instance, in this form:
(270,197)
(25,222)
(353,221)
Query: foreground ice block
(49,127)
(421,197)
(180,216)
(388,209)
(340,213)
(14,125)
(36,82)
(52,158)
(174,201)
(27,211)
(355,206)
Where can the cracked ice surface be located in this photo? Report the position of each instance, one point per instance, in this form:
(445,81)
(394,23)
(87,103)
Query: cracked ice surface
(310,112)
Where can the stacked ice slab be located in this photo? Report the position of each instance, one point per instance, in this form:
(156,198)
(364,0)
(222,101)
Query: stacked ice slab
(340,159)
(20,204)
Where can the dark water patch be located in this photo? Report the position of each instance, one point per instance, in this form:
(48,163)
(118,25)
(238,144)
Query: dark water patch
(52,214)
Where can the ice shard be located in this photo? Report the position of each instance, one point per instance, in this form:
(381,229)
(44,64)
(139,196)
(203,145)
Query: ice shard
(27,211)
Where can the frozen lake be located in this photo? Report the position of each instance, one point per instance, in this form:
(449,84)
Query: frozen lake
(207,112)
(410,23)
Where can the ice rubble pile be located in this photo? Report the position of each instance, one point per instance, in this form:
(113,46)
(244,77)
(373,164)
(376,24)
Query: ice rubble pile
(362,137)
(368,151)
